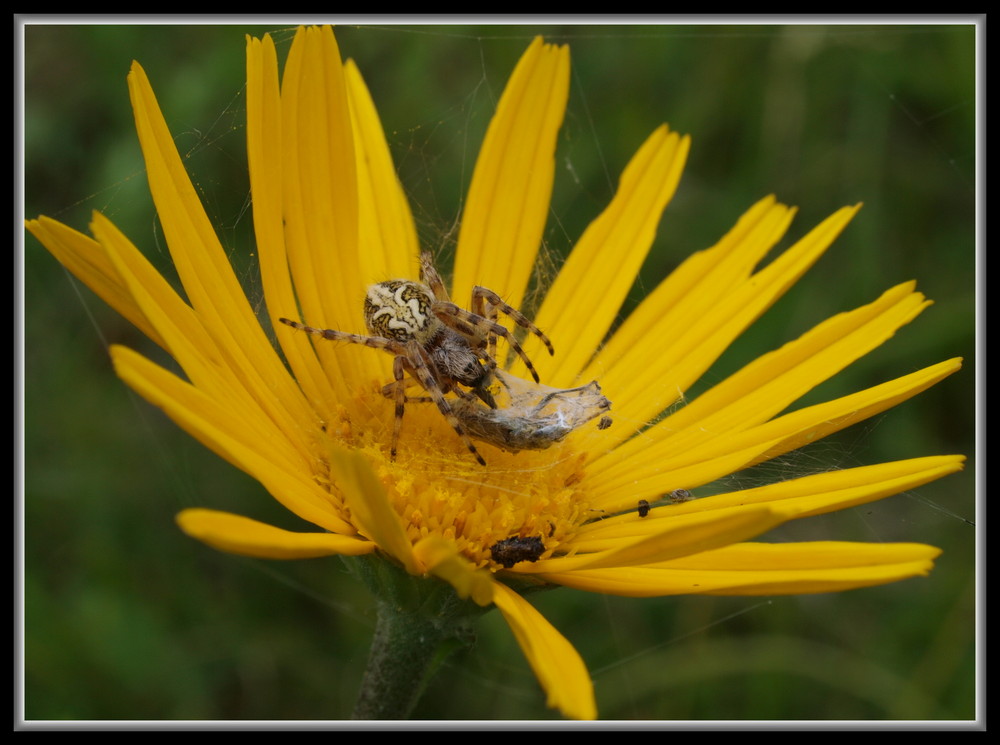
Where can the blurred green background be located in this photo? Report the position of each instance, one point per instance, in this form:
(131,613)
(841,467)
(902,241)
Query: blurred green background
(126,618)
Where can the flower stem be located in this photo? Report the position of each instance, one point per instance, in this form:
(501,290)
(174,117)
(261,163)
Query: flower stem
(420,622)
(403,655)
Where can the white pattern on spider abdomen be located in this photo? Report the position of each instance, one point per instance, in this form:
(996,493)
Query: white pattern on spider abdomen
(399,309)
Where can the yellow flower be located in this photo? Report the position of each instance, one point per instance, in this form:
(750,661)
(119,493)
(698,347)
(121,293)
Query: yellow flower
(315,429)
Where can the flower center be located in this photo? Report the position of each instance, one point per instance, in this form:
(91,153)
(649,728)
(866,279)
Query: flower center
(438,488)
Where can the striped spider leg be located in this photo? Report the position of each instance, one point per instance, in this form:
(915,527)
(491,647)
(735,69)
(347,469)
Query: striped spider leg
(487,303)
(480,323)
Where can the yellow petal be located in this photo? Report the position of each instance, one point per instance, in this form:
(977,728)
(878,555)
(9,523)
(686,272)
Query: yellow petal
(508,199)
(816,422)
(265,157)
(87,260)
(838,490)
(587,294)
(190,344)
(557,665)
(694,288)
(370,508)
(762,569)
(241,535)
(320,204)
(208,278)
(440,557)
(659,540)
(221,430)
(684,325)
(760,390)
(760,557)
(773,381)
(791,499)
(721,456)
(320,186)
(388,245)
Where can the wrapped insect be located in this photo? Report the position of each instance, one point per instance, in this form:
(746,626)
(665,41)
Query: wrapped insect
(531,416)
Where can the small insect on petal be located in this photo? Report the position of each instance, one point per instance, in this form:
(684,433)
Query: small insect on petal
(677,496)
(510,551)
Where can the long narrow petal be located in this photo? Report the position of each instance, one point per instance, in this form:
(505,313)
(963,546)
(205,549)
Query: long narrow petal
(265,159)
(388,245)
(763,569)
(763,388)
(696,286)
(718,457)
(320,204)
(440,557)
(241,535)
(690,291)
(189,343)
(686,324)
(219,429)
(209,281)
(654,541)
(587,294)
(794,498)
(557,665)
(813,423)
(508,200)
(320,184)
(773,381)
(87,260)
(370,508)
(838,490)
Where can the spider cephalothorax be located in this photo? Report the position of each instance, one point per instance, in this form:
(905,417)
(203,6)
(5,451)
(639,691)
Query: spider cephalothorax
(445,347)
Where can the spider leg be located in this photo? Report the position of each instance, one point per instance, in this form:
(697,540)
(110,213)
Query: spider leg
(389,391)
(486,303)
(418,366)
(398,372)
(489,312)
(479,327)
(375,342)
(432,279)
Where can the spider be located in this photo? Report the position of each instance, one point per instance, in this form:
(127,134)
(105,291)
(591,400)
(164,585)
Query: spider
(440,344)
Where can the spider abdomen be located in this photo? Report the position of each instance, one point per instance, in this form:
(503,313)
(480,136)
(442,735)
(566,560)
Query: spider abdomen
(400,309)
(455,358)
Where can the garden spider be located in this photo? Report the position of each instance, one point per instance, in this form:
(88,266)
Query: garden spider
(440,344)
